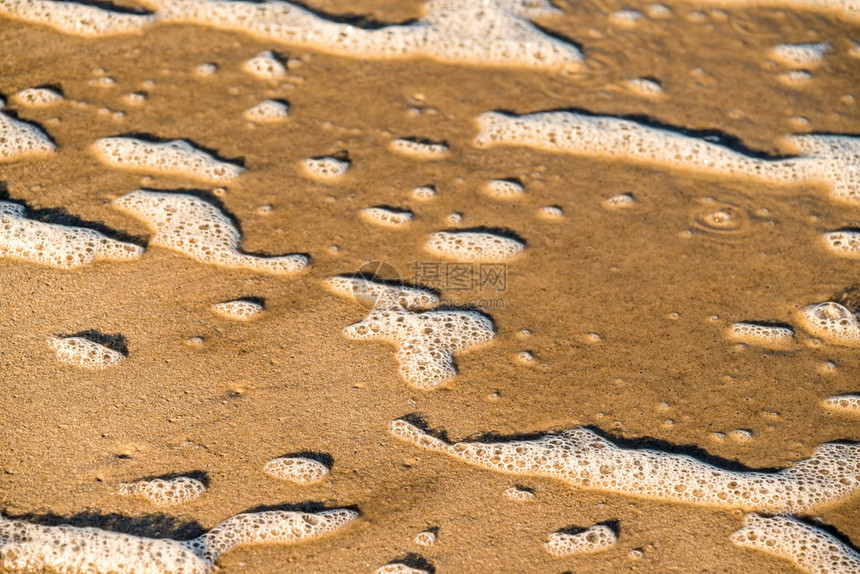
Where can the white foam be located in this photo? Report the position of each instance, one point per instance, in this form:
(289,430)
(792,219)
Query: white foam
(426,342)
(37,97)
(808,548)
(620,201)
(645,87)
(385,217)
(503,189)
(551,213)
(795,78)
(296,469)
(824,159)
(265,65)
(206,69)
(327,168)
(848,9)
(843,243)
(763,335)
(176,157)
(593,539)
(426,538)
(20,140)
(799,55)
(423,193)
(487,33)
(831,322)
(373,294)
(583,459)
(518,494)
(54,245)
(844,403)
(473,246)
(239,309)
(625,17)
(418,148)
(72,550)
(72,18)
(83,353)
(270,111)
(135,98)
(164,492)
(198,229)
(399,568)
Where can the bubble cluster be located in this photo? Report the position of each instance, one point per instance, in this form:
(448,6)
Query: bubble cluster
(37,97)
(56,245)
(265,65)
(423,193)
(763,335)
(831,322)
(399,568)
(373,294)
(386,217)
(473,246)
(270,111)
(799,55)
(198,229)
(593,539)
(73,18)
(849,404)
(419,149)
(239,309)
(176,157)
(516,494)
(21,140)
(832,160)
(296,469)
(503,189)
(426,538)
(644,87)
(83,353)
(807,547)
(164,492)
(843,243)
(583,459)
(325,168)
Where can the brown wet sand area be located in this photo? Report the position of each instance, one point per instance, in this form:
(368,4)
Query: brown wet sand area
(289,382)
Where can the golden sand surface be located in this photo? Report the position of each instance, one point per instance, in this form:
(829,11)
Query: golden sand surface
(624,310)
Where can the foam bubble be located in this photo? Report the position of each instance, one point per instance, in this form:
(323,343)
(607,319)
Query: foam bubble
(171,157)
(206,69)
(426,538)
(373,294)
(423,193)
(831,160)
(844,403)
(622,200)
(769,336)
(473,246)
(518,494)
(37,97)
(795,78)
(645,87)
(845,243)
(83,353)
(399,568)
(198,229)
(419,149)
(426,342)
(296,469)
(504,189)
(799,55)
(265,65)
(551,213)
(593,539)
(239,309)
(488,33)
(832,323)
(625,17)
(135,98)
(164,492)
(20,140)
(54,245)
(73,18)
(583,459)
(270,111)
(386,217)
(808,548)
(326,168)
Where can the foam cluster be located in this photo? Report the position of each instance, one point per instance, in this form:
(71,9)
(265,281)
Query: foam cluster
(296,469)
(176,157)
(385,217)
(488,33)
(269,111)
(503,189)
(583,459)
(239,309)
(72,550)
(73,18)
(845,403)
(644,87)
(418,148)
(593,539)
(54,245)
(164,492)
(426,342)
(799,55)
(373,294)
(831,160)
(768,336)
(83,353)
(399,568)
(37,97)
(198,229)
(518,494)
(266,66)
(843,243)
(325,168)
(832,323)
(808,548)
(473,246)
(426,538)
(19,140)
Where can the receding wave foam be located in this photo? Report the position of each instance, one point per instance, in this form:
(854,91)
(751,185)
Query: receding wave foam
(22,140)
(176,157)
(73,18)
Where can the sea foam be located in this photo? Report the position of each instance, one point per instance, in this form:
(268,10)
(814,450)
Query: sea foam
(22,140)
(73,18)
(175,157)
